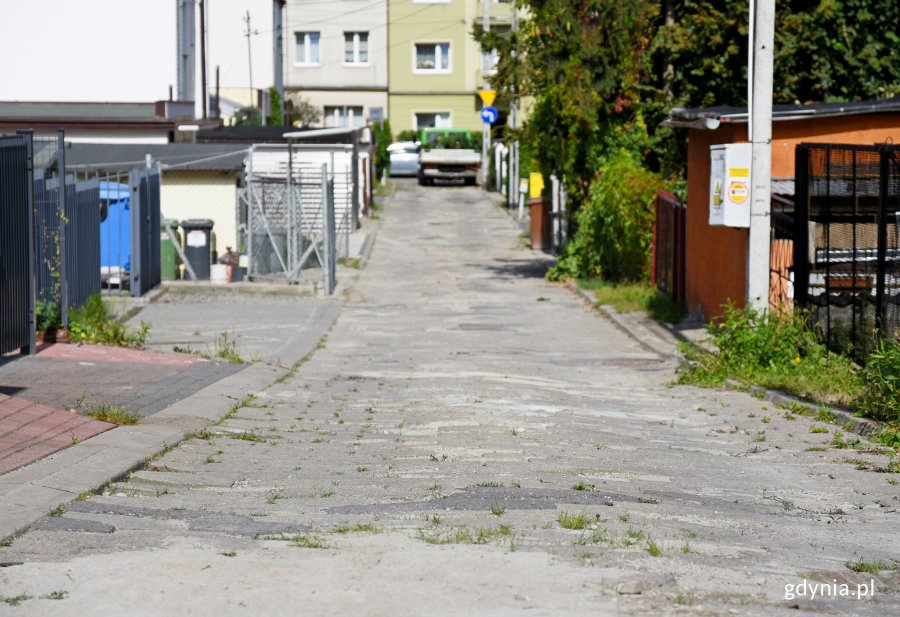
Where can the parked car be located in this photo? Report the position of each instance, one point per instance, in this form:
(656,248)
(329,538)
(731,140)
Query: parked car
(404,157)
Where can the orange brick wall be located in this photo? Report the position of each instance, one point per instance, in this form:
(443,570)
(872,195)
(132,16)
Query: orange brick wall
(716,257)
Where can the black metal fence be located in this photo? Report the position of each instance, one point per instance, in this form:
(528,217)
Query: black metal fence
(146,269)
(67,231)
(16,245)
(846,252)
(668,267)
(129,227)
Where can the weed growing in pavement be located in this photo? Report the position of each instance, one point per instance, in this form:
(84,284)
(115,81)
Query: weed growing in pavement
(114,414)
(85,496)
(632,537)
(573,521)
(869,567)
(358,528)
(653,548)
(685,599)
(838,441)
(815,428)
(497,509)
(55,595)
(864,465)
(15,600)
(771,350)
(583,486)
(93,322)
(58,510)
(309,542)
(464,535)
(248,437)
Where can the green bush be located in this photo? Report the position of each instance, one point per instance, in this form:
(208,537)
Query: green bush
(46,315)
(615,226)
(881,378)
(381,132)
(772,350)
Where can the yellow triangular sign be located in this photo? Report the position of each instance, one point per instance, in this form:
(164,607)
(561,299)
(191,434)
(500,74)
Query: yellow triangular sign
(487,97)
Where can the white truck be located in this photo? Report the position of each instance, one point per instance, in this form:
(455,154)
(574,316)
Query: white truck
(448,154)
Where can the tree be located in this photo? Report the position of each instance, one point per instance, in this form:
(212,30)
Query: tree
(300,112)
(275,118)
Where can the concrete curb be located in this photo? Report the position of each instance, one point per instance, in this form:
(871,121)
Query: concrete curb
(646,332)
(29,493)
(646,335)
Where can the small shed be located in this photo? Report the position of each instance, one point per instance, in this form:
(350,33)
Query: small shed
(716,257)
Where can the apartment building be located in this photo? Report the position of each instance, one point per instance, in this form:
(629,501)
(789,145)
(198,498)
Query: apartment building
(414,60)
(336,57)
(436,68)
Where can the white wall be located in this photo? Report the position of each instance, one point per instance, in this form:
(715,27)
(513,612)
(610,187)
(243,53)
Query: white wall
(202,195)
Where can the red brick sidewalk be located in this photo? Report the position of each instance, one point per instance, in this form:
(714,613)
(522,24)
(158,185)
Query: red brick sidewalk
(30,431)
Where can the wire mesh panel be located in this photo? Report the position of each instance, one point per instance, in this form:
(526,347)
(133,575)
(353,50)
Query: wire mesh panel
(16,245)
(284,211)
(846,249)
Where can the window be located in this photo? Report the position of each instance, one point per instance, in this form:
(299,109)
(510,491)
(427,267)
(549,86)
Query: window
(306,48)
(440,119)
(344,116)
(356,48)
(432,57)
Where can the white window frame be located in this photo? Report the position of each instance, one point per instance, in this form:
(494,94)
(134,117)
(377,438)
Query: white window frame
(344,112)
(307,46)
(438,56)
(436,114)
(357,35)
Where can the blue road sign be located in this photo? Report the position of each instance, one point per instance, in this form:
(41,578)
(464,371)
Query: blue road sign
(489,114)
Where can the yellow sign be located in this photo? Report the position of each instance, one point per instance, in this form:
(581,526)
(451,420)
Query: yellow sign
(487,97)
(535,184)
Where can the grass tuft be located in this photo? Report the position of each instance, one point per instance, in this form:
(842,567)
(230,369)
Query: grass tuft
(114,414)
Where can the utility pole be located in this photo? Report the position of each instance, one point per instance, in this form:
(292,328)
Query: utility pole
(247,33)
(218,109)
(513,167)
(278,52)
(485,126)
(762,42)
(203,88)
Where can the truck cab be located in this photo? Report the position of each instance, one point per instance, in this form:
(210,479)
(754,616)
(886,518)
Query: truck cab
(448,154)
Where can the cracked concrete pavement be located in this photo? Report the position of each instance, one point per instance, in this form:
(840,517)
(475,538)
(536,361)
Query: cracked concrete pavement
(433,454)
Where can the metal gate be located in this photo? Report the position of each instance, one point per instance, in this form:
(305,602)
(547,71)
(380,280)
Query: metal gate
(292,224)
(668,265)
(16,244)
(846,250)
(146,268)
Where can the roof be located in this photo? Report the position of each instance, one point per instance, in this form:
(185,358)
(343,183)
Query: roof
(184,157)
(709,118)
(273,134)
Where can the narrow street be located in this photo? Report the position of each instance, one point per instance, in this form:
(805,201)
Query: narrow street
(470,439)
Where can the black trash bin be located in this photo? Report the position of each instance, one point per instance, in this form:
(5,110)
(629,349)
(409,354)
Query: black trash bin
(197,240)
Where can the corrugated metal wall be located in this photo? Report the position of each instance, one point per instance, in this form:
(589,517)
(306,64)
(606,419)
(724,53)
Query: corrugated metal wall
(16,245)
